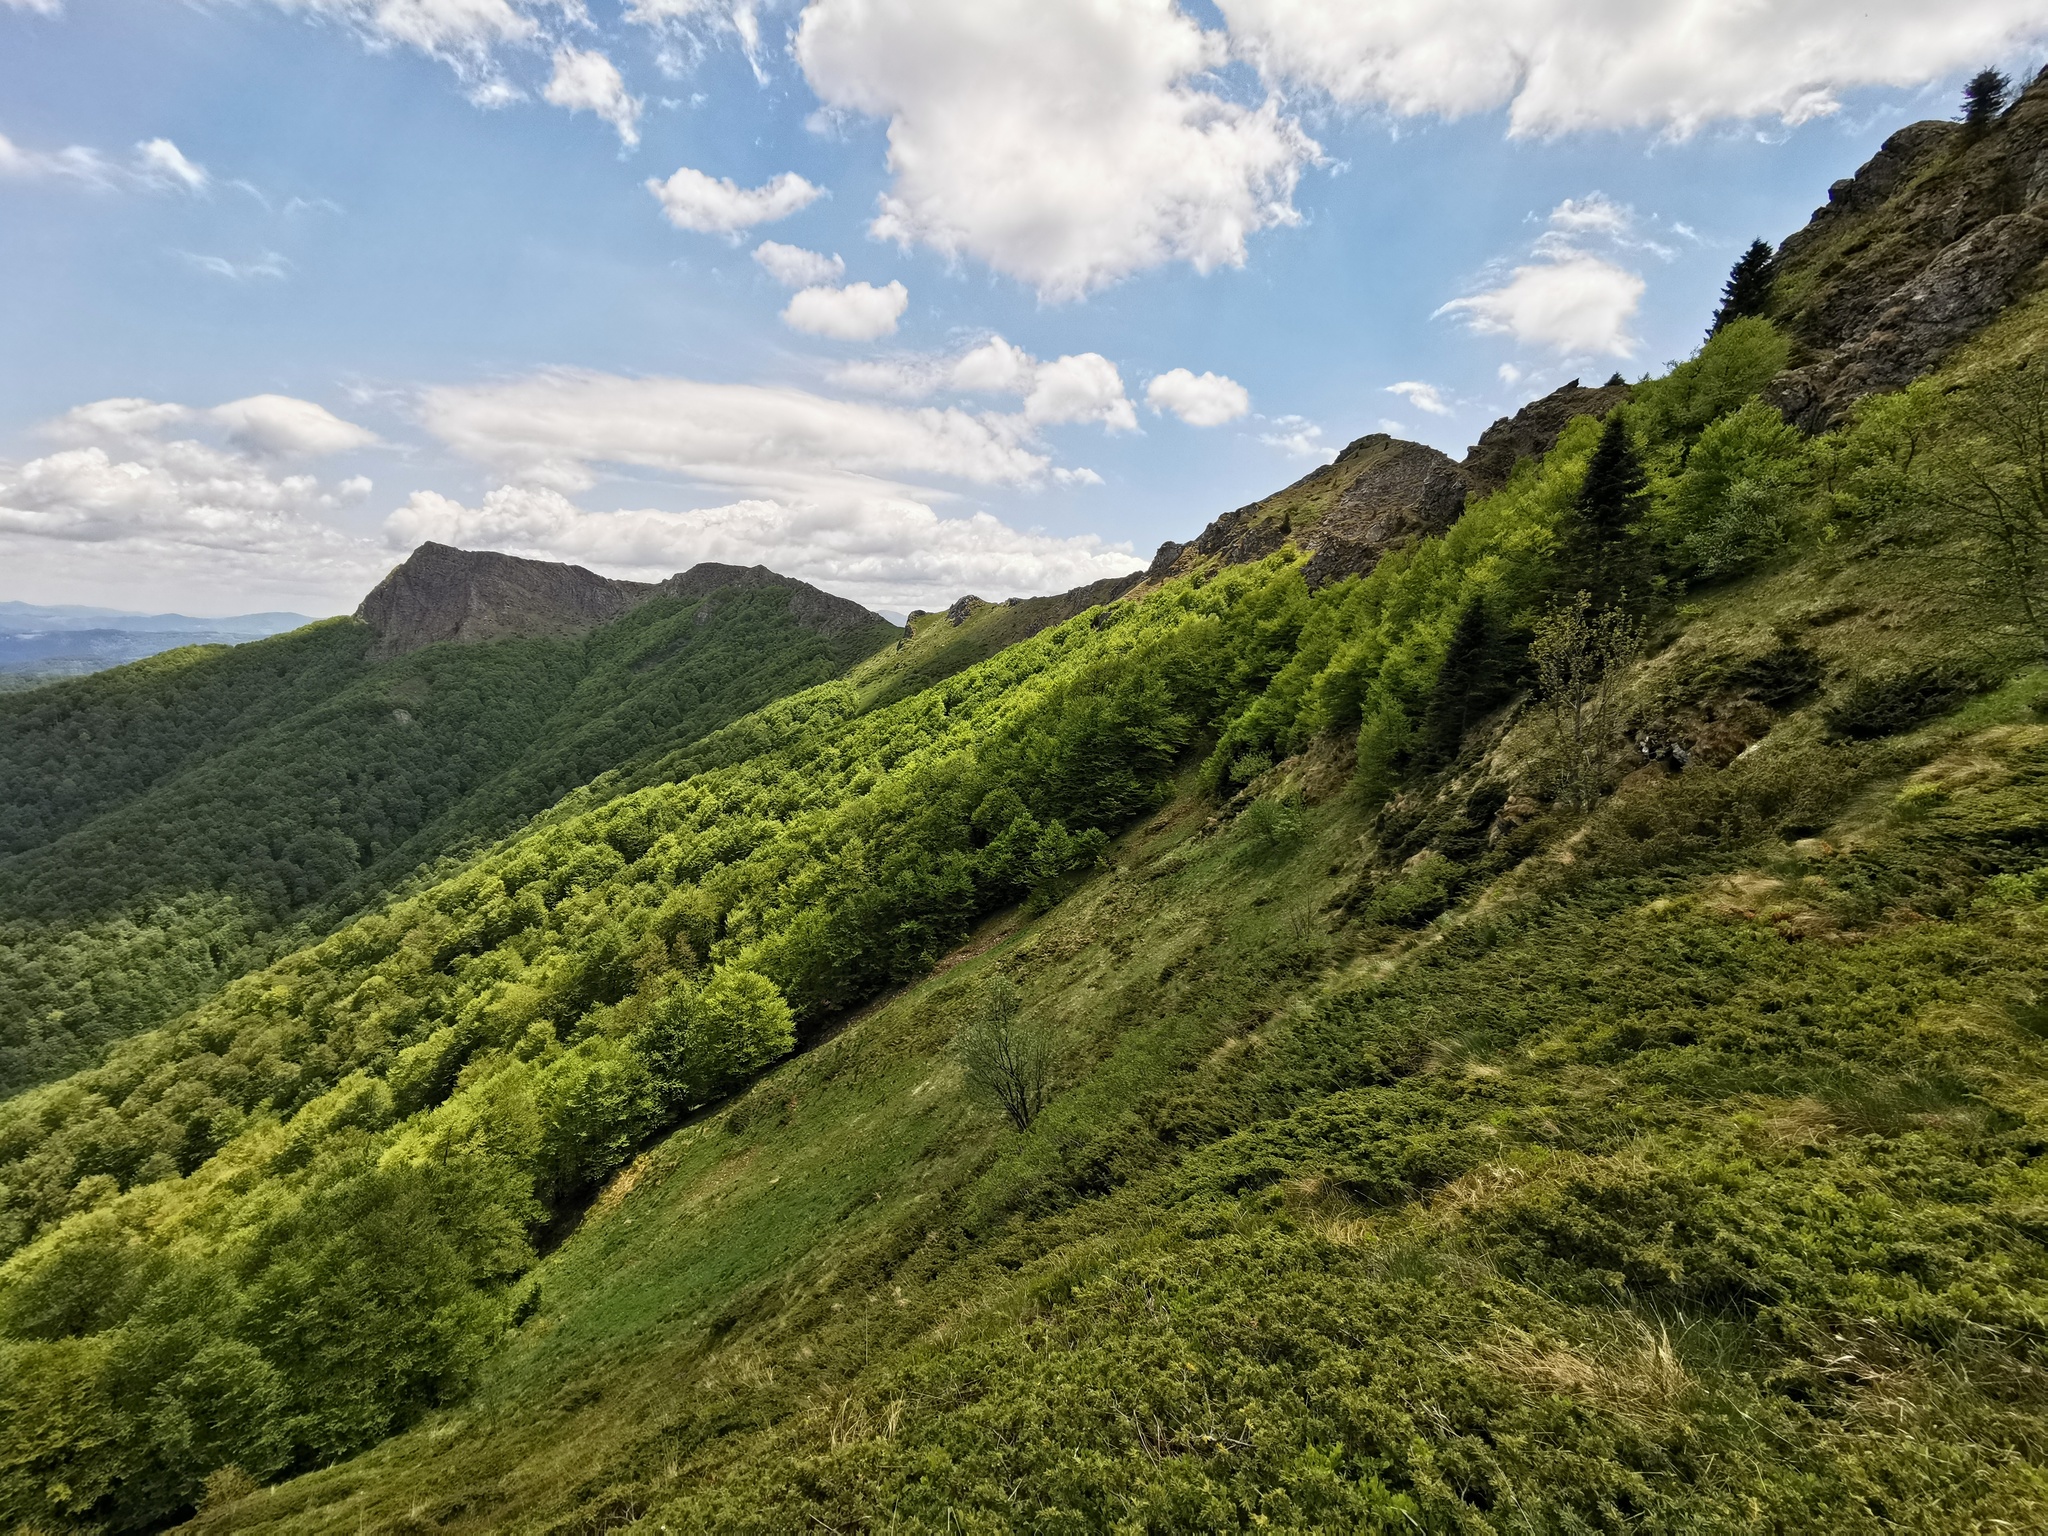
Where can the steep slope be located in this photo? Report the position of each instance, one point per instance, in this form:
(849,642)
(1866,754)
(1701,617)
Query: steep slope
(1925,245)
(161,823)
(1514,1064)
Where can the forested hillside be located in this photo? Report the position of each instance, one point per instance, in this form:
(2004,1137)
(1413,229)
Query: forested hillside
(1546,1033)
(163,825)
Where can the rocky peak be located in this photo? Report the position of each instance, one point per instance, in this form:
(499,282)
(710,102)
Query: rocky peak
(1925,245)
(470,596)
(809,607)
(1533,431)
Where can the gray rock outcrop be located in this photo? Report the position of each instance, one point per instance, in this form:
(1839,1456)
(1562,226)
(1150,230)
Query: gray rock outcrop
(468,596)
(1939,232)
(441,595)
(1532,432)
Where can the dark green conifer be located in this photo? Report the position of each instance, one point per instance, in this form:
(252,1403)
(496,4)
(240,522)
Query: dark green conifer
(1600,557)
(1748,289)
(1984,98)
(1472,679)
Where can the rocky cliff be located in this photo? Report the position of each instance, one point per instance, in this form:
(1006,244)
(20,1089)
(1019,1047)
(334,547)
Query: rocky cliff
(1381,492)
(1915,253)
(470,596)
(811,608)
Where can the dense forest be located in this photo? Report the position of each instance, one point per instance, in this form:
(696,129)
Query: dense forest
(167,826)
(1548,1034)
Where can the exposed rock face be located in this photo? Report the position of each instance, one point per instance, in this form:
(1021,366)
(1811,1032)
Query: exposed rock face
(1532,432)
(1381,491)
(469,596)
(814,610)
(1911,256)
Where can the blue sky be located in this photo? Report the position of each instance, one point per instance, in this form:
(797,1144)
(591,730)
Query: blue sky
(287,285)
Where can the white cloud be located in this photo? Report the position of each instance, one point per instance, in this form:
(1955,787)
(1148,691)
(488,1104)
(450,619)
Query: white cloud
(1565,65)
(1570,303)
(794,267)
(1079,387)
(1082,387)
(1595,213)
(1567,299)
(693,200)
(1296,436)
(269,264)
(1065,142)
(587,81)
(552,428)
(857,312)
(994,368)
(76,163)
(1509,374)
(162,161)
(1424,397)
(884,549)
(1200,400)
(462,32)
(127,502)
(279,426)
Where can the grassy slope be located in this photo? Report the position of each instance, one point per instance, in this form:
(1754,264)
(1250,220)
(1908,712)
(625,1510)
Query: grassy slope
(191,807)
(1690,1182)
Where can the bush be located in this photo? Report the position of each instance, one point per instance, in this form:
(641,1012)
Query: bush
(1885,703)
(1739,499)
(701,1042)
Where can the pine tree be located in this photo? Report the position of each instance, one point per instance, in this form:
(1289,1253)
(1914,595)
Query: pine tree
(1599,555)
(1473,678)
(1984,98)
(1748,289)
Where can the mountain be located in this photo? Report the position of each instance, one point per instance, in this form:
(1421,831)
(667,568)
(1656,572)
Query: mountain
(164,827)
(1339,1033)
(38,643)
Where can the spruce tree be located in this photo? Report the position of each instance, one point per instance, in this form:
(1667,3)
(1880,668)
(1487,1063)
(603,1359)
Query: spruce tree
(1984,98)
(1600,557)
(1748,289)
(1472,679)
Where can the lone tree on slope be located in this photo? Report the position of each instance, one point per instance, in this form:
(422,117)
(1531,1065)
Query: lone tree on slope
(1748,289)
(1984,98)
(1600,556)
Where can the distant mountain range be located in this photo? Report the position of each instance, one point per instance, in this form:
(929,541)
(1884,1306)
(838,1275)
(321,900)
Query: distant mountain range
(39,642)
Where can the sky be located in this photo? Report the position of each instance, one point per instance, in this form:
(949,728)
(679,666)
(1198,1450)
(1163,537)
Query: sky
(907,298)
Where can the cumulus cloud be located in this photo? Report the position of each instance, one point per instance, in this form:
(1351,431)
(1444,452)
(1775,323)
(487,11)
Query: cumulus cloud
(1083,387)
(1568,299)
(1079,387)
(122,495)
(1295,436)
(1065,142)
(279,426)
(693,200)
(1570,303)
(884,549)
(1200,400)
(1424,397)
(1565,65)
(587,81)
(794,267)
(857,312)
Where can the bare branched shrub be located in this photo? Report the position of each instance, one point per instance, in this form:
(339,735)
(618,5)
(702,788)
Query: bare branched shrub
(1992,482)
(1582,658)
(1008,1062)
